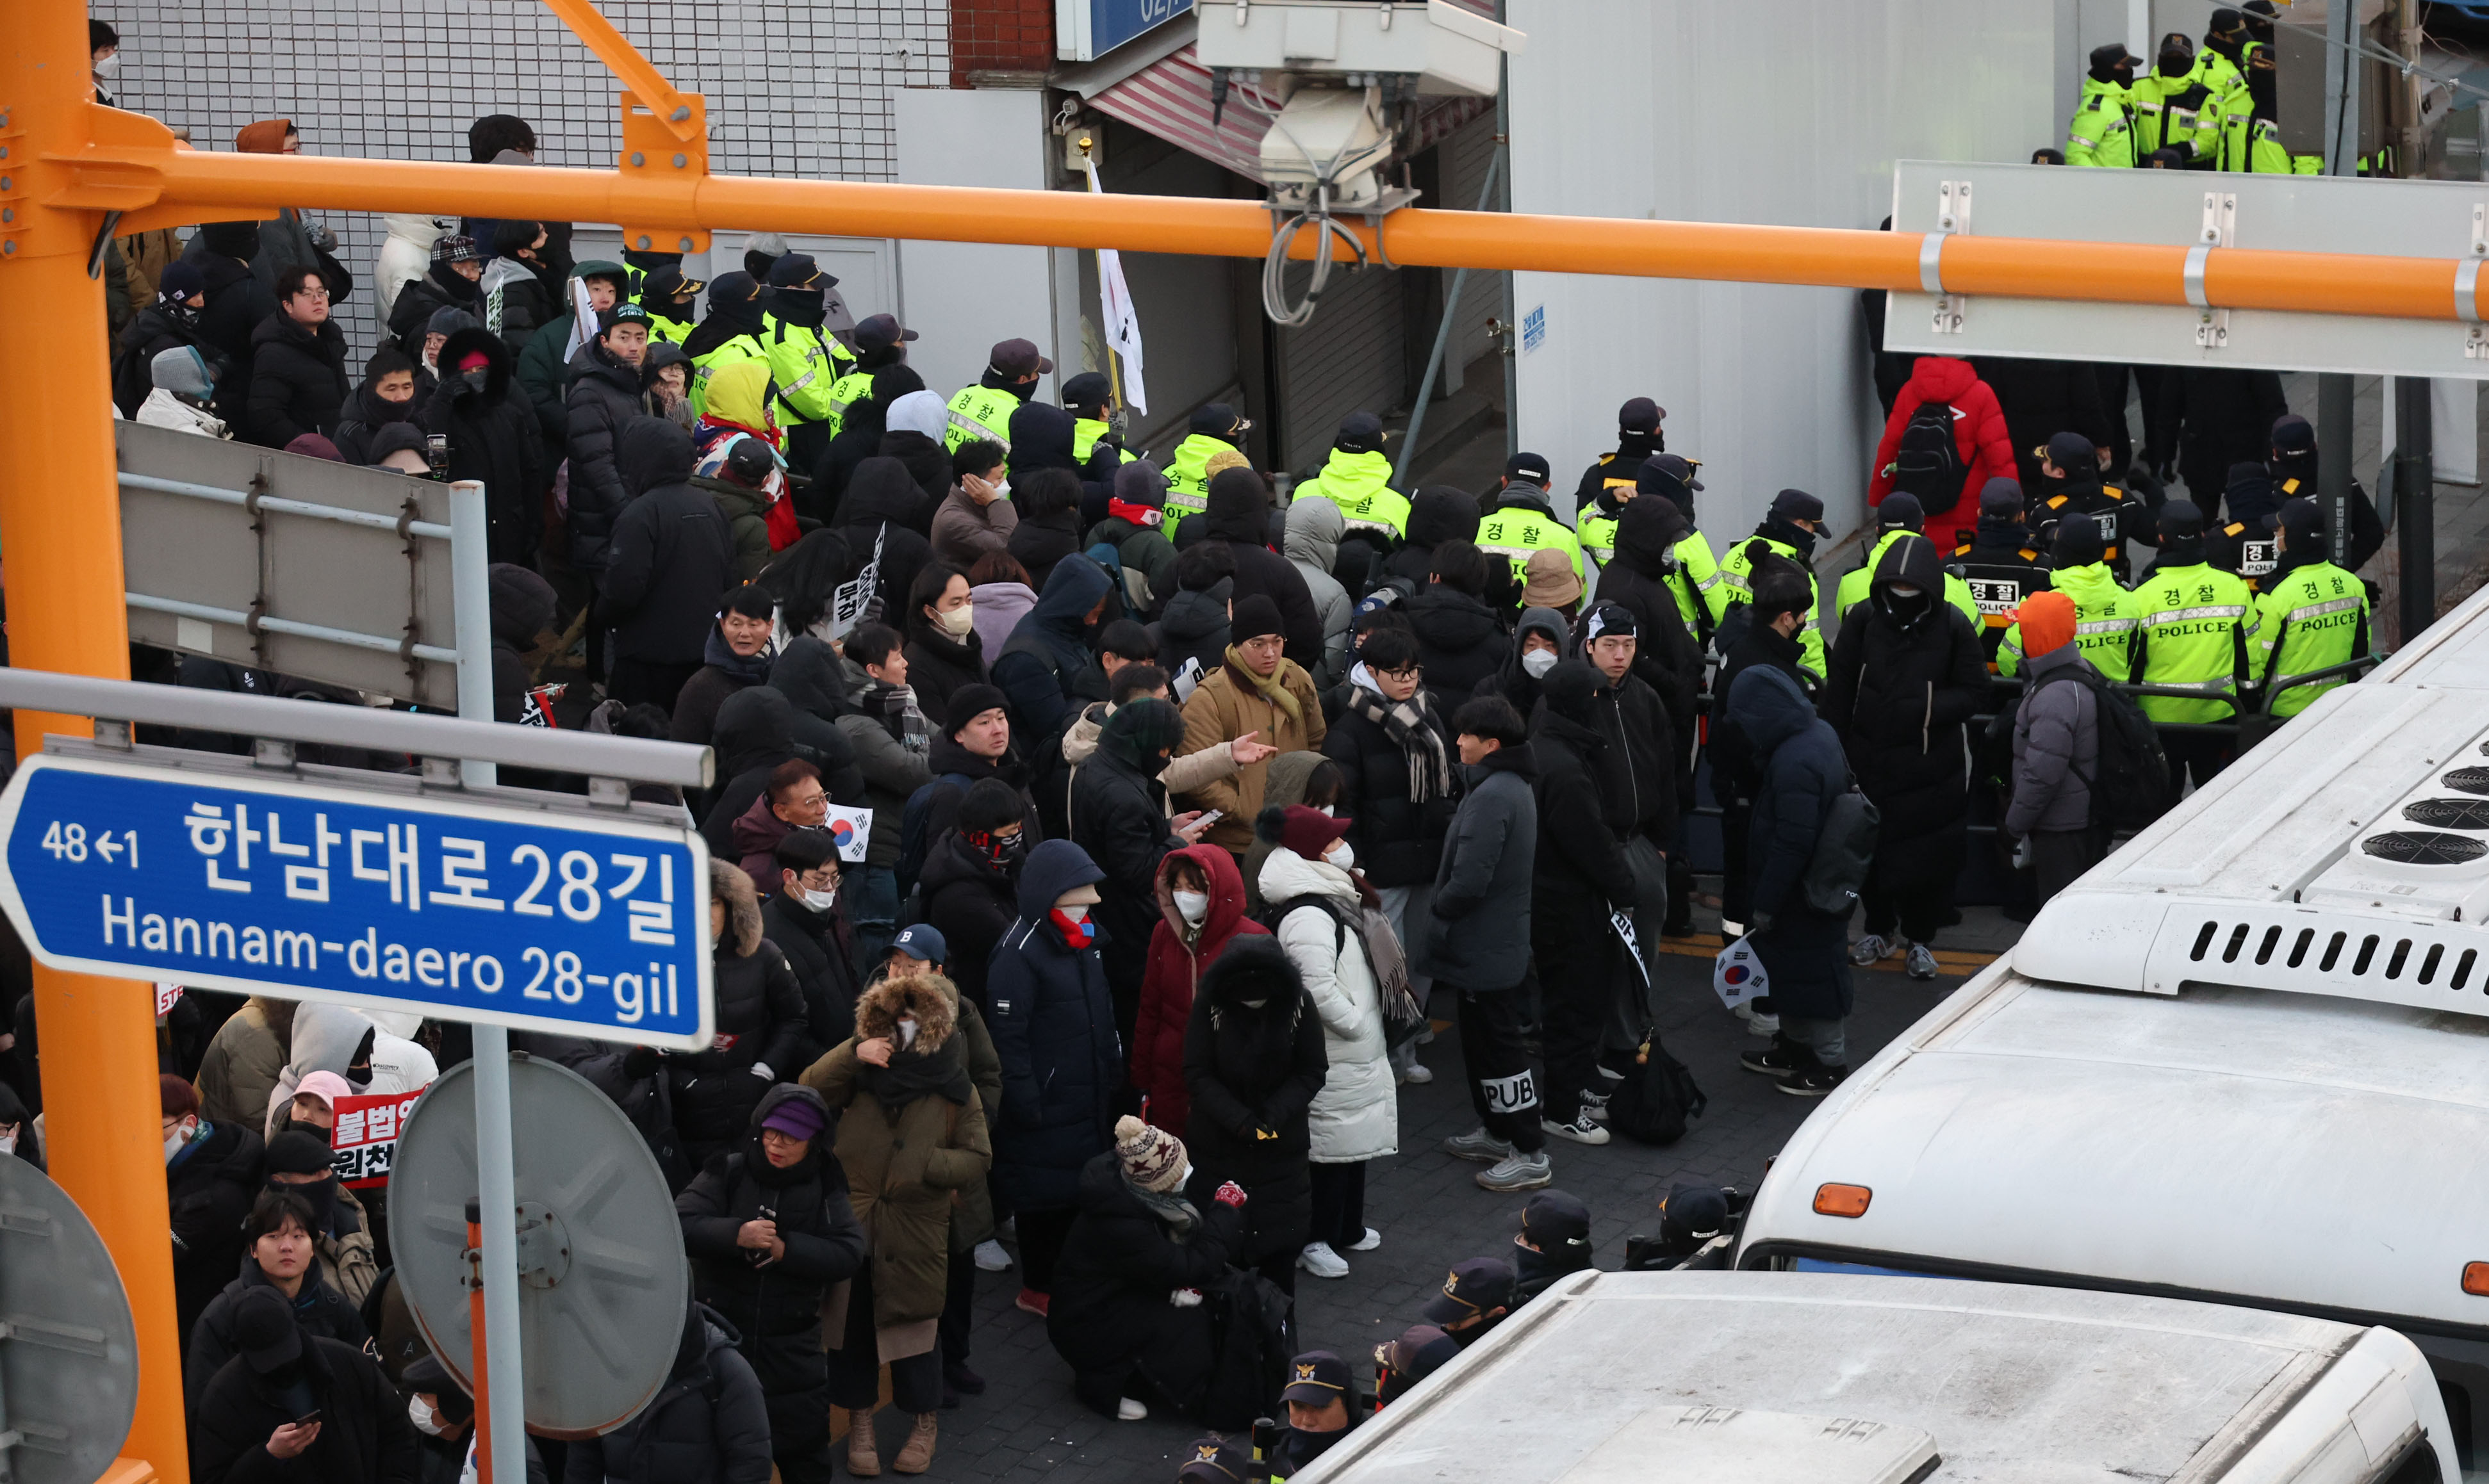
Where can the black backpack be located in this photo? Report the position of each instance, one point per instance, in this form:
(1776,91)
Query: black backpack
(915,828)
(1843,852)
(2131,788)
(1928,464)
(1656,1097)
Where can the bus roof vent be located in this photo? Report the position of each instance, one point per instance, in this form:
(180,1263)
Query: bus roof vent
(2424,847)
(1755,1447)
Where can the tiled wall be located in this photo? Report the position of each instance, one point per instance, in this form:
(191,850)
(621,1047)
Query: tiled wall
(794,87)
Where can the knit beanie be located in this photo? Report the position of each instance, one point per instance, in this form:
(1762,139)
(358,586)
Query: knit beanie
(968,703)
(1152,1158)
(1255,616)
(1307,831)
(2048,621)
(1223,461)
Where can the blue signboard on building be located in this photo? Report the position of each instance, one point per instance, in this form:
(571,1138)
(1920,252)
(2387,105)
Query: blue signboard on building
(463,911)
(1085,30)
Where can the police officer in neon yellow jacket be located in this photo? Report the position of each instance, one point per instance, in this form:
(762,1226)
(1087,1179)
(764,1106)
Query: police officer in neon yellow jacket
(1523,521)
(2175,104)
(2312,616)
(2103,611)
(985,410)
(2195,628)
(1702,593)
(672,302)
(1357,477)
(1893,523)
(1217,428)
(731,333)
(1789,529)
(805,358)
(1090,398)
(2102,130)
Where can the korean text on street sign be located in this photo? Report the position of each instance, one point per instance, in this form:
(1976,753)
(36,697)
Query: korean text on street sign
(459,909)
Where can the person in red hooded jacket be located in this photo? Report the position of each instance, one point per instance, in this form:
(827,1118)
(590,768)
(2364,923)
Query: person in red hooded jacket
(1201,911)
(1978,435)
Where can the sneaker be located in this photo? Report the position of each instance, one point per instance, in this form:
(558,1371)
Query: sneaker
(1480,1145)
(1815,1081)
(1519,1172)
(1416,1075)
(992,1258)
(1129,1410)
(1870,949)
(1921,963)
(1779,1059)
(1765,1026)
(1367,1243)
(1322,1262)
(1583,1129)
(1594,1105)
(1031,1301)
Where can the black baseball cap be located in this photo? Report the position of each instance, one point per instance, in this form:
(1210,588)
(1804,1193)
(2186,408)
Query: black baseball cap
(879,332)
(1694,1211)
(1527,468)
(2069,450)
(1087,389)
(1679,464)
(1900,511)
(1316,1378)
(2113,55)
(265,1332)
(1215,1461)
(2303,518)
(1018,359)
(1476,1287)
(1554,1221)
(2181,518)
(2294,434)
(1640,415)
(1797,505)
(623,312)
(1219,421)
(1359,433)
(798,270)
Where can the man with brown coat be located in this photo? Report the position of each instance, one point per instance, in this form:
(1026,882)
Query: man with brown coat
(243,1061)
(1260,693)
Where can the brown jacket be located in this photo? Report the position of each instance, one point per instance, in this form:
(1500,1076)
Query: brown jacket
(1226,706)
(907,1167)
(243,1061)
(965,530)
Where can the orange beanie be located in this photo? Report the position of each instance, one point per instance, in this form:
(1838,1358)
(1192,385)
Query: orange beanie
(265,137)
(2048,621)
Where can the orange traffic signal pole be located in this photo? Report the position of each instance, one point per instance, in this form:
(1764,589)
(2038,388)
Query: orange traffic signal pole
(73,174)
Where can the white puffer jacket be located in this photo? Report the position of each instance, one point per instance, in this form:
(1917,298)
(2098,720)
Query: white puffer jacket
(1356,1114)
(405,256)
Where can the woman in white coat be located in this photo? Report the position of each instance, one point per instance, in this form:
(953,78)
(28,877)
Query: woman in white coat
(406,255)
(1315,895)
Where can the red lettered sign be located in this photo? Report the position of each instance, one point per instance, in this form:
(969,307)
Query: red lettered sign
(367,1136)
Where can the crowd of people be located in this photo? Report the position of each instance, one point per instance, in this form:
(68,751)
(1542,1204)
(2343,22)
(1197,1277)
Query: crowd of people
(1174,812)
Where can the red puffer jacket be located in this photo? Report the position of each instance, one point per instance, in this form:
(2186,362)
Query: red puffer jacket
(1175,971)
(1978,432)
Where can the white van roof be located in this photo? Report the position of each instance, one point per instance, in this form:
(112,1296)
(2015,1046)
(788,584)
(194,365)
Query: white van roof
(2311,1151)
(1761,1377)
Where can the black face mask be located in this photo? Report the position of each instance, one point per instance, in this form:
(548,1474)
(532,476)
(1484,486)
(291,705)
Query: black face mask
(1906,610)
(475,381)
(360,1076)
(2123,74)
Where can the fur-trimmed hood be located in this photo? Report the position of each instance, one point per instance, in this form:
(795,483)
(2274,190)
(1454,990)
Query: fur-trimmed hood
(1256,968)
(728,883)
(931,998)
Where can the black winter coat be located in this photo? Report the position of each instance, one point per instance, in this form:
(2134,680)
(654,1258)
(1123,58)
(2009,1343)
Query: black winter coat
(150,334)
(1119,817)
(928,463)
(1666,657)
(1481,927)
(1643,771)
(818,949)
(2042,399)
(320,1309)
(971,901)
(938,665)
(1805,952)
(1040,541)
(670,557)
(2219,417)
(237,305)
(1119,1263)
(807,674)
(211,1191)
(1397,842)
(493,437)
(1460,642)
(605,396)
(1192,626)
(1253,1069)
(297,382)
(1898,695)
(1053,1024)
(441,287)
(365,1435)
(759,1018)
(883,502)
(1436,513)
(1237,516)
(646,1100)
(776,1308)
(1580,868)
(1737,768)
(710,1424)
(362,419)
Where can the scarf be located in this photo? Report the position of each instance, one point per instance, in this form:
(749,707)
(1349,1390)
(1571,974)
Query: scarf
(1076,934)
(914,1074)
(751,671)
(1147,517)
(1170,1206)
(897,707)
(1430,772)
(1270,687)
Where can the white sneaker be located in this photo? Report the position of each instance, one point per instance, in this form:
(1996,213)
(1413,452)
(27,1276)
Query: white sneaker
(1870,949)
(1480,1145)
(1367,1243)
(1322,1262)
(1594,1105)
(1921,962)
(1128,1411)
(992,1258)
(1519,1172)
(1582,1130)
(1416,1075)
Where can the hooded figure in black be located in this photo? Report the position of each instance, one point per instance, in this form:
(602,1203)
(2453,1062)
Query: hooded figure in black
(735,309)
(168,324)
(522,609)
(1666,657)
(1239,517)
(884,506)
(366,412)
(441,287)
(2216,417)
(1041,436)
(238,303)
(1780,596)
(1518,681)
(759,1025)
(1581,876)
(493,437)
(864,428)
(1119,815)
(762,726)
(807,674)
(1046,668)
(1461,640)
(971,880)
(1436,513)
(772,1295)
(2294,470)
(1802,773)
(1902,684)
(709,1424)
(1253,1060)
(670,557)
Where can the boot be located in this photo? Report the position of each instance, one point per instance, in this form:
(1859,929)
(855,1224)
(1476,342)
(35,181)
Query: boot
(864,1457)
(918,1454)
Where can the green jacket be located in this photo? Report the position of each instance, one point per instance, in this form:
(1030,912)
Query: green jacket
(1516,531)
(1736,569)
(738,348)
(542,371)
(2315,618)
(2103,623)
(805,364)
(1359,484)
(1188,477)
(980,412)
(1854,587)
(2103,130)
(747,521)
(2195,626)
(1085,433)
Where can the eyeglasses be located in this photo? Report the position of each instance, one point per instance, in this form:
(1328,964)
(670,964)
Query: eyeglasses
(312,291)
(1404,673)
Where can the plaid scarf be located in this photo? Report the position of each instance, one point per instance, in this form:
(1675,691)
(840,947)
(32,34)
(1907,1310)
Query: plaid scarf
(1430,772)
(895,706)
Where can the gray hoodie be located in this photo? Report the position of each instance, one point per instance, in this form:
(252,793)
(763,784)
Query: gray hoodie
(1315,528)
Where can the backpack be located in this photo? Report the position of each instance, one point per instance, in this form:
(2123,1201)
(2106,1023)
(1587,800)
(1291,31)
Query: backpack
(915,826)
(1656,1097)
(2131,788)
(1404,1015)
(1928,464)
(1252,1337)
(1843,853)
(1125,604)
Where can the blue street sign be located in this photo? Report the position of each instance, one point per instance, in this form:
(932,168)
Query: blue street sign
(1088,29)
(463,911)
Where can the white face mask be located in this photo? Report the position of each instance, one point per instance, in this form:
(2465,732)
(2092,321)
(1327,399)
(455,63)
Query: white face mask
(1905,590)
(1538,661)
(1341,856)
(906,1032)
(1002,488)
(958,620)
(427,1421)
(7,1143)
(820,902)
(1079,912)
(1193,905)
(1325,811)
(109,65)
(181,1135)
